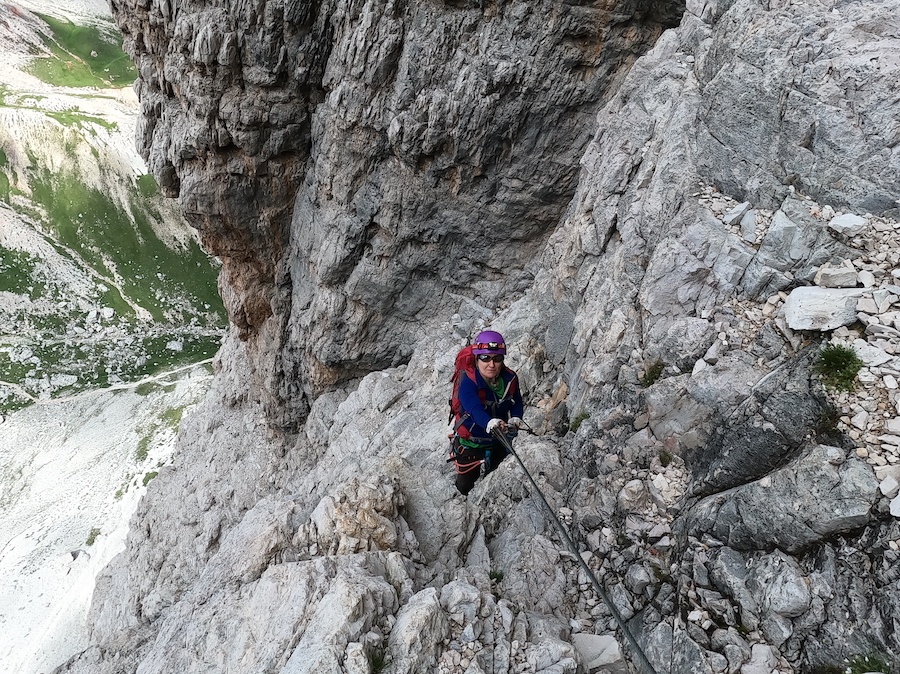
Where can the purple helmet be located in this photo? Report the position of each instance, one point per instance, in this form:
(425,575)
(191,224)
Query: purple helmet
(489,342)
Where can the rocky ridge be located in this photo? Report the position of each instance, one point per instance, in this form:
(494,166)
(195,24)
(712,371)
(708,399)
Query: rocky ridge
(733,529)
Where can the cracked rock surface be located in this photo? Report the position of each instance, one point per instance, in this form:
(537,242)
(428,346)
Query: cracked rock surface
(739,514)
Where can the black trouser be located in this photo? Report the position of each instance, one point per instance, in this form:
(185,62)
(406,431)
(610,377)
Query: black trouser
(468,463)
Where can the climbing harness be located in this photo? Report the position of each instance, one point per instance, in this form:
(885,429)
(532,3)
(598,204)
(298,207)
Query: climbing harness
(464,459)
(639,654)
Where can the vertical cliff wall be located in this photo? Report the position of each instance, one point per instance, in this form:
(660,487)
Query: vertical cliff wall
(357,166)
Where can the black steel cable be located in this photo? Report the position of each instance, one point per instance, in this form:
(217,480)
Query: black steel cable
(639,654)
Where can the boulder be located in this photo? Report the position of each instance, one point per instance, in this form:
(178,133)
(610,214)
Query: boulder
(822,309)
(848,224)
(816,499)
(841,276)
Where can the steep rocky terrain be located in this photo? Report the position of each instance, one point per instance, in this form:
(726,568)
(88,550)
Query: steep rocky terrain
(637,197)
(107,303)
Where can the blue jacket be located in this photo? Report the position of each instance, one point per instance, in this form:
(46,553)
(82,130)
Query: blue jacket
(481,411)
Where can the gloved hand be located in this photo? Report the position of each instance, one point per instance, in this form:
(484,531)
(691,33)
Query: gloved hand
(515,422)
(493,424)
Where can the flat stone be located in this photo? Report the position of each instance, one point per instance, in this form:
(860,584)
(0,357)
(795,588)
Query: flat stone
(836,277)
(860,420)
(848,224)
(597,650)
(867,305)
(883,299)
(823,309)
(870,355)
(889,486)
(866,278)
(734,216)
(883,472)
(748,226)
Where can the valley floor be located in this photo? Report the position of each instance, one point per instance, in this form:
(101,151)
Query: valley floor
(71,474)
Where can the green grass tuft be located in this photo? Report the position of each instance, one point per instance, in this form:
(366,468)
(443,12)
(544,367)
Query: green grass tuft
(143,448)
(172,417)
(652,374)
(147,186)
(4,188)
(92,536)
(837,365)
(868,663)
(149,476)
(146,388)
(578,420)
(75,118)
(378,661)
(17,273)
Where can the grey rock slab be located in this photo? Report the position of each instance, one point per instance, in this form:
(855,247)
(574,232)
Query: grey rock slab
(848,224)
(597,650)
(866,278)
(302,614)
(822,309)
(762,660)
(748,226)
(870,354)
(840,276)
(794,507)
(867,305)
(882,472)
(779,584)
(679,341)
(889,486)
(414,643)
(744,447)
(729,573)
(461,597)
(637,579)
(735,214)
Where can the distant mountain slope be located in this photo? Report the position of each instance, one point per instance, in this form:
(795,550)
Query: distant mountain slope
(102,279)
(104,289)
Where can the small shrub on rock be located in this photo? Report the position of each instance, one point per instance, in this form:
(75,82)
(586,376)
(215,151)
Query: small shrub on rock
(578,420)
(652,374)
(837,365)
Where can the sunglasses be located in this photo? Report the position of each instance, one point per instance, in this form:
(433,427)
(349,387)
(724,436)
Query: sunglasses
(487,358)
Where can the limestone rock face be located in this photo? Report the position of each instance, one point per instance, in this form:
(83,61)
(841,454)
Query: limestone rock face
(357,165)
(634,249)
(384,179)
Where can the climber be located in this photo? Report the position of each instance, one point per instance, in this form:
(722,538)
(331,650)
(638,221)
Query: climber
(486,397)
